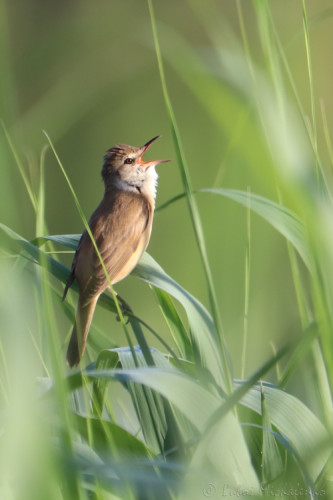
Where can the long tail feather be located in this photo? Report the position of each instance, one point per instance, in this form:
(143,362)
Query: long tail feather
(77,343)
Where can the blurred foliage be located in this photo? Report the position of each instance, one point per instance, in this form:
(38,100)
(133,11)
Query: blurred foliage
(86,73)
(250,86)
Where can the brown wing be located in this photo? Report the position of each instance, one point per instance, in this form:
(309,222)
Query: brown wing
(121,226)
(71,277)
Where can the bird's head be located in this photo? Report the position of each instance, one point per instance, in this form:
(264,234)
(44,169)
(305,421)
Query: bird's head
(123,165)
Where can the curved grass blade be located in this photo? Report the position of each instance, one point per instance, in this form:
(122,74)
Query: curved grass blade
(60,271)
(278,216)
(272,465)
(294,421)
(175,324)
(67,240)
(196,404)
(302,349)
(266,488)
(103,431)
(203,332)
(281,218)
(201,323)
(288,414)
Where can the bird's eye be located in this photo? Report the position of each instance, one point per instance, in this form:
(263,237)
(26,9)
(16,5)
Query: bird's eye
(129,161)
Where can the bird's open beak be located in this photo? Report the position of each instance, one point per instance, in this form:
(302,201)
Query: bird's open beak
(146,146)
(151,163)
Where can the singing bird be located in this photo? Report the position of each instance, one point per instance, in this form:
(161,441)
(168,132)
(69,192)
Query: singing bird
(121,226)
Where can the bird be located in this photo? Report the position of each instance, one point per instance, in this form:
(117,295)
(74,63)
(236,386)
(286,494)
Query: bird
(121,226)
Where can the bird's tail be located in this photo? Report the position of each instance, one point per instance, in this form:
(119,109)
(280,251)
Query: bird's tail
(77,343)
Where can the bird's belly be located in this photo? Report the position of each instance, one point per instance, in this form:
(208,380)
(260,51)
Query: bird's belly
(134,259)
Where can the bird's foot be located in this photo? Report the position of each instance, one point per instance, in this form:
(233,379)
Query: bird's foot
(125,308)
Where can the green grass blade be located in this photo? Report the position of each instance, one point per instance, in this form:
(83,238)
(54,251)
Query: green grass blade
(201,323)
(302,349)
(280,217)
(272,465)
(222,457)
(285,221)
(20,168)
(149,406)
(61,272)
(40,201)
(312,94)
(193,208)
(124,443)
(294,421)
(271,488)
(246,289)
(175,324)
(67,240)
(197,404)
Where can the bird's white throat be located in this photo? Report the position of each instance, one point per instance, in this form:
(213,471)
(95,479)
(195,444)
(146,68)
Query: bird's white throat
(146,184)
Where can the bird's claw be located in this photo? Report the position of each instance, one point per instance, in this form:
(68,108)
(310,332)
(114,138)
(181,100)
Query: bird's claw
(124,307)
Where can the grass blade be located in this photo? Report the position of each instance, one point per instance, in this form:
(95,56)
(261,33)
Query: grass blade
(294,421)
(280,217)
(193,208)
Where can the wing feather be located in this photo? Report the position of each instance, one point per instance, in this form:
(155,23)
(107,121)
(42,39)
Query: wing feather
(121,226)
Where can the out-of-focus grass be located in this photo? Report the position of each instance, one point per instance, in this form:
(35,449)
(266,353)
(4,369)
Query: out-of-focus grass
(242,82)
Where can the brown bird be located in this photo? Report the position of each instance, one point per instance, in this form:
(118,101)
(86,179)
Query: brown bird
(121,226)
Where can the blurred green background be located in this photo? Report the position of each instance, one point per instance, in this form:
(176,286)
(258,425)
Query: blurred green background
(86,72)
